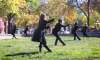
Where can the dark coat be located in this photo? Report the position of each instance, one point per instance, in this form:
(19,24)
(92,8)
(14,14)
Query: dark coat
(57,28)
(38,32)
(74,29)
(36,35)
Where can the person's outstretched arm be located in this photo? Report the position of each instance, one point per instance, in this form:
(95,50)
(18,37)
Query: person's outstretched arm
(64,26)
(50,21)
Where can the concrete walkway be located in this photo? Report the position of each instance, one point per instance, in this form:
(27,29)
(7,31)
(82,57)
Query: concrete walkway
(8,36)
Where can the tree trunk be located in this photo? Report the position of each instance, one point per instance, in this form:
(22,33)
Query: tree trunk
(88,12)
(88,18)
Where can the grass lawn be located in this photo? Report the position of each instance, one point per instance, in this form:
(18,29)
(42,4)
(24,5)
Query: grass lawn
(24,49)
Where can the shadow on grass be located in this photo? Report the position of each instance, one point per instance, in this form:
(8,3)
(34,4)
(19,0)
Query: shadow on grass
(70,40)
(22,53)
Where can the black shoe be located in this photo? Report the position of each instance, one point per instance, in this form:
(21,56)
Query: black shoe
(64,44)
(79,39)
(55,44)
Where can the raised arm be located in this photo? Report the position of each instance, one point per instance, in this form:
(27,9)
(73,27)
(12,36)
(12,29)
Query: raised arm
(64,25)
(50,21)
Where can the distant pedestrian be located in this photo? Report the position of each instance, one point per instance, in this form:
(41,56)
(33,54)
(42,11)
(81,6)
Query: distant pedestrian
(84,30)
(74,31)
(25,31)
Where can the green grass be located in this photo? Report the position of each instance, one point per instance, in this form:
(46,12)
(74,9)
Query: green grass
(24,49)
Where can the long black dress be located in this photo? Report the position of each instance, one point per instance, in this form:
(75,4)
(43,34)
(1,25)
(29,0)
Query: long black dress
(39,34)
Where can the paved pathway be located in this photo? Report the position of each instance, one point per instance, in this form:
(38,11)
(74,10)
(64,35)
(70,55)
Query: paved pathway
(8,36)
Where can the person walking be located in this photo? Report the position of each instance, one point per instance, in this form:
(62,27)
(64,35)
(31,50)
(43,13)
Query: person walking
(39,34)
(84,30)
(55,31)
(74,32)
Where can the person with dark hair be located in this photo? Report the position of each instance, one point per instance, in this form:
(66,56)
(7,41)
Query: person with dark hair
(74,32)
(55,31)
(84,30)
(39,34)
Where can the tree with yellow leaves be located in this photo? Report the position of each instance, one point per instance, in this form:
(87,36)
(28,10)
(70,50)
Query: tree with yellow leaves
(71,15)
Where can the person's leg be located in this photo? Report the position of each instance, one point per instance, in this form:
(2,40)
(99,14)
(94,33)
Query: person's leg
(13,34)
(44,42)
(78,37)
(56,41)
(40,47)
(45,45)
(58,38)
(74,36)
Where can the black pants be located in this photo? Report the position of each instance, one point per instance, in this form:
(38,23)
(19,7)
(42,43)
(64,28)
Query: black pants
(58,38)
(43,43)
(13,34)
(76,36)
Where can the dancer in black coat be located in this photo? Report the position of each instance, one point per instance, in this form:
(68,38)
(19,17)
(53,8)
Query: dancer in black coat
(55,31)
(39,33)
(74,32)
